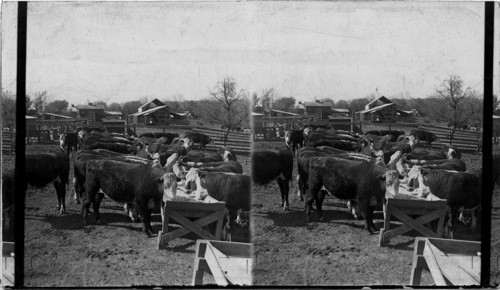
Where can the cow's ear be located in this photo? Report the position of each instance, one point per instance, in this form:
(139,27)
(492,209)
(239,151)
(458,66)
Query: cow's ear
(159,179)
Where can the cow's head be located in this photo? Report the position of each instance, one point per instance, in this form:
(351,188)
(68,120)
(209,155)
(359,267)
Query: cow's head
(391,178)
(195,183)
(186,142)
(288,138)
(307,131)
(416,179)
(169,186)
(227,155)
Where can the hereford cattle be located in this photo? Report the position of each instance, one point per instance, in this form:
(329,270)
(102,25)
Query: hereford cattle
(199,138)
(125,183)
(268,165)
(306,153)
(44,168)
(222,154)
(392,133)
(339,144)
(446,164)
(462,190)
(116,147)
(349,180)
(222,166)
(295,138)
(423,135)
(168,137)
(70,141)
(233,189)
(425,155)
(406,145)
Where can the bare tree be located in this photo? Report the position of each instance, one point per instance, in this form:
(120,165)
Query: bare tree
(456,109)
(234,105)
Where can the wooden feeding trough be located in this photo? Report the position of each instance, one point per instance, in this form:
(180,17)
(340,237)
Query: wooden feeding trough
(450,262)
(425,211)
(180,211)
(229,263)
(7,264)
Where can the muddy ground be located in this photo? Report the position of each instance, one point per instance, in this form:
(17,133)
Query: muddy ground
(335,252)
(60,251)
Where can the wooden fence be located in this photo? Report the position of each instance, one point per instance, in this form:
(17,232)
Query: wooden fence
(463,139)
(8,142)
(240,143)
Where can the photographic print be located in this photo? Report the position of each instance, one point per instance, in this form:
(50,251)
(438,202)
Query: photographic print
(372,136)
(137,143)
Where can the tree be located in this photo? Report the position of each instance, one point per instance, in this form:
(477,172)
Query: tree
(115,107)
(342,104)
(40,101)
(101,103)
(8,108)
(284,103)
(357,105)
(233,104)
(130,107)
(267,98)
(57,107)
(454,108)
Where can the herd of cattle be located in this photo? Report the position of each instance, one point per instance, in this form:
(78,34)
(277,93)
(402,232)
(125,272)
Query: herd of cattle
(135,171)
(363,169)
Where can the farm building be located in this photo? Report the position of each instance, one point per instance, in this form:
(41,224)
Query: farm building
(318,109)
(50,116)
(113,115)
(91,112)
(379,110)
(337,112)
(278,113)
(153,112)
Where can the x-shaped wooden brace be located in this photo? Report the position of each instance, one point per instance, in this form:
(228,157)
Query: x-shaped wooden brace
(188,226)
(409,223)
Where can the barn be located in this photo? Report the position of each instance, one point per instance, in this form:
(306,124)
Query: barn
(380,110)
(154,112)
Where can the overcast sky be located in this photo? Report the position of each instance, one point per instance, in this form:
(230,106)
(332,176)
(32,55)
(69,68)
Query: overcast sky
(121,51)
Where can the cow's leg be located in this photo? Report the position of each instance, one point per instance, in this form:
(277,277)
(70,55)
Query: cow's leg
(300,188)
(145,217)
(319,204)
(312,195)
(61,196)
(368,213)
(284,187)
(96,204)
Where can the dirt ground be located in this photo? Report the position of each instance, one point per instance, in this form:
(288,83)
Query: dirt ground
(60,251)
(335,252)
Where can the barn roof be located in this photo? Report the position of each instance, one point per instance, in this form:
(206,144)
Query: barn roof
(56,115)
(338,110)
(155,101)
(284,112)
(147,112)
(316,104)
(375,109)
(113,113)
(383,99)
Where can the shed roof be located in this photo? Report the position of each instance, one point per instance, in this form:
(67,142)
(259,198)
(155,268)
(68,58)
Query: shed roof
(383,99)
(56,115)
(316,104)
(284,112)
(147,112)
(376,108)
(155,101)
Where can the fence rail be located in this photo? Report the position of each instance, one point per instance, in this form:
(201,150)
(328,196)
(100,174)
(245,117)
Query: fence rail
(239,142)
(8,142)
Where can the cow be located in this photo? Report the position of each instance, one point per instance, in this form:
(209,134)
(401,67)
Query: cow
(44,168)
(406,145)
(123,182)
(221,166)
(295,138)
(222,154)
(70,141)
(116,147)
(339,144)
(392,133)
(462,190)
(346,179)
(446,164)
(233,189)
(423,135)
(425,155)
(451,151)
(169,136)
(199,138)
(268,165)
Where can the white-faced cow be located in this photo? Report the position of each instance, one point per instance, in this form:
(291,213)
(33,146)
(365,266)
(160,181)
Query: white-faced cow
(294,139)
(199,138)
(68,142)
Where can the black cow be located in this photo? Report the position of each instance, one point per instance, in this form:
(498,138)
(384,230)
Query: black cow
(423,135)
(44,168)
(445,164)
(393,133)
(268,165)
(123,182)
(116,147)
(233,189)
(460,189)
(220,166)
(346,179)
(222,154)
(295,138)
(70,141)
(199,138)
